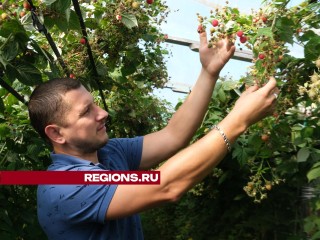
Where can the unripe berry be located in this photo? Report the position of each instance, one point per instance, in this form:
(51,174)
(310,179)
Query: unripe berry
(135,5)
(4,16)
(22,13)
(265,137)
(268,187)
(26,5)
(119,17)
(318,63)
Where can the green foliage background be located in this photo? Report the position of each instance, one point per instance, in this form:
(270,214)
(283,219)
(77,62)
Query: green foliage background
(267,188)
(130,64)
(264,189)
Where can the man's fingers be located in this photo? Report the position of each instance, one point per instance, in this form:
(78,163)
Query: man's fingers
(251,89)
(231,49)
(270,87)
(229,44)
(203,38)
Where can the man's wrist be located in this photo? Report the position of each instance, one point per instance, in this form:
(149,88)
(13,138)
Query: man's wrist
(233,127)
(212,76)
(224,136)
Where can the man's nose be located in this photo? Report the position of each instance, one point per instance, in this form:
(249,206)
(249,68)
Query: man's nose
(102,114)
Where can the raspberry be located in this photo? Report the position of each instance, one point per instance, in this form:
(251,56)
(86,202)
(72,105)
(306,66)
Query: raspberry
(215,22)
(240,33)
(261,56)
(83,41)
(243,39)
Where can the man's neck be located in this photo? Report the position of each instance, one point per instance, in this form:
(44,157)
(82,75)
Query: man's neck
(92,157)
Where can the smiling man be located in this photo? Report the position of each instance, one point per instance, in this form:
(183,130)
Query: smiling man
(64,113)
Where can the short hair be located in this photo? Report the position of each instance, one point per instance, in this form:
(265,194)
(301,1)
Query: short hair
(46,104)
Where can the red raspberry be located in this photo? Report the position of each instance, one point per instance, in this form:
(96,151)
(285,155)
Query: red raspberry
(243,39)
(262,56)
(240,33)
(215,22)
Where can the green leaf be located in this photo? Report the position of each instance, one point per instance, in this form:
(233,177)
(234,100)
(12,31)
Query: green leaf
(221,95)
(48,22)
(3,61)
(117,76)
(307,132)
(74,21)
(41,51)
(266,32)
(10,27)
(255,141)
(26,73)
(48,2)
(9,50)
(129,20)
(4,130)
(62,23)
(241,155)
(61,5)
(90,23)
(307,36)
(303,154)
(224,177)
(229,85)
(316,236)
(314,173)
(284,26)
(133,114)
(128,69)
(27,22)
(311,50)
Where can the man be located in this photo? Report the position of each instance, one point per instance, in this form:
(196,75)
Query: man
(64,113)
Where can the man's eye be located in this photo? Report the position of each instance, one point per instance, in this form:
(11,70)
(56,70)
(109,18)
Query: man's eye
(87,111)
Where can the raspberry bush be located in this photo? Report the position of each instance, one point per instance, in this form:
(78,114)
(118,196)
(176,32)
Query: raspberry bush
(125,40)
(267,187)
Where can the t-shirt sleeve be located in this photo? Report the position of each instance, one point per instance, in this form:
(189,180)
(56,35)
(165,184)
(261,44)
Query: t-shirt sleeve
(132,148)
(122,153)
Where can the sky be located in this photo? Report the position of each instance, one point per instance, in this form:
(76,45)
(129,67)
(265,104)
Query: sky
(183,65)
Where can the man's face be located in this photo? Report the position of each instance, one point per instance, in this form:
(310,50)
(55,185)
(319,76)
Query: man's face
(85,130)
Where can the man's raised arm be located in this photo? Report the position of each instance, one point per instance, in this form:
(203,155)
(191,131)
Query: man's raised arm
(161,145)
(188,167)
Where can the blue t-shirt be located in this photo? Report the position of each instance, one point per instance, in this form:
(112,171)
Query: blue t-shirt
(78,211)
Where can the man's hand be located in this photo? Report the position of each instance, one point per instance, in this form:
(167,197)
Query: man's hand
(214,58)
(254,104)
(161,145)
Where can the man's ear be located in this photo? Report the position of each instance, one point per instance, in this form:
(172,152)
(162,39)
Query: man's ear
(53,133)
